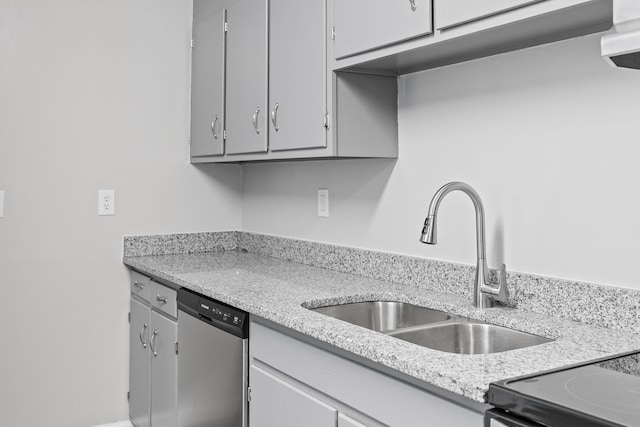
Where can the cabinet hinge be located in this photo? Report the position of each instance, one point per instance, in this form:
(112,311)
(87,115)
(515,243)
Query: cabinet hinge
(176,348)
(129,317)
(248,394)
(128,396)
(326,120)
(224,135)
(333,33)
(191,42)
(226,27)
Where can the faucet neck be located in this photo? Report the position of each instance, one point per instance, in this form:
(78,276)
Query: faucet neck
(477,204)
(481,300)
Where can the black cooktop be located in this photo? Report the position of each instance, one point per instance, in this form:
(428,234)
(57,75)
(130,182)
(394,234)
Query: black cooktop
(603,393)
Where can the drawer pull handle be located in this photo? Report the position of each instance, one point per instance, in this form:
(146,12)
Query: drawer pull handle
(161,299)
(413,5)
(138,285)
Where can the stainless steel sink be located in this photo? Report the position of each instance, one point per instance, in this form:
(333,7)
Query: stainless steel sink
(383,315)
(432,328)
(468,337)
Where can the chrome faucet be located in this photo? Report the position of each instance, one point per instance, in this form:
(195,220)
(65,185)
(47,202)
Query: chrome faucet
(485,294)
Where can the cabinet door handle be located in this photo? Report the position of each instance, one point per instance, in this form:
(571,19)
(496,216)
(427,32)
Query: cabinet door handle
(152,343)
(413,5)
(144,328)
(255,120)
(274,116)
(161,299)
(213,127)
(138,285)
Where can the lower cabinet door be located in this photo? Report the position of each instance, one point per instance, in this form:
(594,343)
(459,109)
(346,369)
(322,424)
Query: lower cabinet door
(139,368)
(345,421)
(164,371)
(275,402)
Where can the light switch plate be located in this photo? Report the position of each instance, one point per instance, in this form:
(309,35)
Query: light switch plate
(1,203)
(323,202)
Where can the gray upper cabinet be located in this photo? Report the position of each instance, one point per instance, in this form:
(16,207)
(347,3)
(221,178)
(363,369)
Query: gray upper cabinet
(450,13)
(207,79)
(280,100)
(297,74)
(246,118)
(360,25)
(386,39)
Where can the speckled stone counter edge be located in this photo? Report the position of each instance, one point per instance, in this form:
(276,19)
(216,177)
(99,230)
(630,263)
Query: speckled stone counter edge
(611,307)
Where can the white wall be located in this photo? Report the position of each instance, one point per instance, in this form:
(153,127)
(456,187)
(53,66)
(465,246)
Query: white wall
(549,138)
(93,95)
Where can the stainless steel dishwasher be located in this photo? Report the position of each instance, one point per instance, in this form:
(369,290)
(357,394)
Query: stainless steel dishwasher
(213,351)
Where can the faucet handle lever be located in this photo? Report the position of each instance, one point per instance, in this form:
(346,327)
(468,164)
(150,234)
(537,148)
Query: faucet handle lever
(499,292)
(503,289)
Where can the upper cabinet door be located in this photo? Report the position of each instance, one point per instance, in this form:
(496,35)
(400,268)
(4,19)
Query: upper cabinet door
(247,110)
(297,74)
(362,25)
(207,79)
(450,13)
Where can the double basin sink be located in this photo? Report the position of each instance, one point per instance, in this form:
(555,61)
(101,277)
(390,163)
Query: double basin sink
(432,328)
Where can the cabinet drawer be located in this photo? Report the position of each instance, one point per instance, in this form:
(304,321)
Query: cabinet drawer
(450,13)
(164,299)
(140,285)
(362,25)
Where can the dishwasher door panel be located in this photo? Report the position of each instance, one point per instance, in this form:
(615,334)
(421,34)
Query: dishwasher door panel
(212,375)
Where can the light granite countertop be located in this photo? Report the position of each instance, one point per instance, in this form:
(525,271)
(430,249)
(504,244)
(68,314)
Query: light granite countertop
(279,291)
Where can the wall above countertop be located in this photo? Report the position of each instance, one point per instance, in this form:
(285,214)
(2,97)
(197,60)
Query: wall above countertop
(599,305)
(545,135)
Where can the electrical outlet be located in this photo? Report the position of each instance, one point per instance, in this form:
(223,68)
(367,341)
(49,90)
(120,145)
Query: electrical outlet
(106,202)
(323,202)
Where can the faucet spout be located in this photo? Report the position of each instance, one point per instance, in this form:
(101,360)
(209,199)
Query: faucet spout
(484,293)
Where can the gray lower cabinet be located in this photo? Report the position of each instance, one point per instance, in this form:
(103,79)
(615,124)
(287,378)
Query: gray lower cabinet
(274,402)
(345,421)
(291,378)
(139,365)
(153,362)
(164,371)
